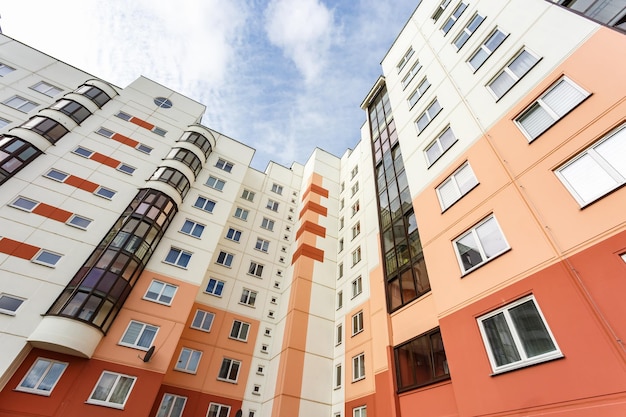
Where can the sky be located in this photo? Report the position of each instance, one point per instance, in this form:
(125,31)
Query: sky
(282,76)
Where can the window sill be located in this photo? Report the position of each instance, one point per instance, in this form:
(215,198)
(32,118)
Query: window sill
(33,391)
(459,199)
(358,379)
(514,367)
(103,404)
(227,381)
(177,266)
(466,273)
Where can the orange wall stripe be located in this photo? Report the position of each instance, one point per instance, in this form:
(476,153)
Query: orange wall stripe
(309,252)
(317,189)
(52,212)
(19,249)
(141,123)
(81,183)
(125,140)
(105,160)
(317,208)
(309,226)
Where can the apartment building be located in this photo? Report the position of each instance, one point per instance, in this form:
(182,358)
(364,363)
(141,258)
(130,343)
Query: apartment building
(465,258)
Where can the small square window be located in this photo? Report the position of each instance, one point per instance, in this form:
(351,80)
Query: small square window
(124,116)
(224,165)
(25,204)
(216,183)
(104,193)
(126,169)
(262,245)
(272,205)
(233,234)
(241,213)
(160,292)
(229,371)
(79,221)
(239,331)
(143,148)
(215,287)
(278,189)
(267,224)
(47,89)
(9,304)
(188,360)
(247,195)
(202,320)
(139,335)
(358,367)
(178,257)
(192,228)
(260,370)
(205,204)
(256,390)
(225,259)
(84,152)
(56,175)
(112,390)
(47,258)
(42,377)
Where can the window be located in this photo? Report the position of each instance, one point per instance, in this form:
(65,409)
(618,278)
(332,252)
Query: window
(256,390)
(9,304)
(255,269)
(480,244)
(25,204)
(159,131)
(248,297)
(517,335)
(411,74)
(143,148)
(339,300)
(338,376)
(188,360)
(163,102)
(241,213)
(21,104)
(160,292)
(215,287)
(105,132)
(356,207)
(225,258)
(468,30)
(172,177)
(453,18)
(427,116)
(437,148)
(355,189)
(260,370)
(421,361)
(218,410)
(4,122)
(356,229)
(262,245)
(561,97)
(405,59)
(124,116)
(340,270)
(5,69)
(233,234)
(47,89)
(359,411)
(192,228)
(178,257)
(247,195)
(341,223)
(272,205)
(485,50)
(215,183)
(456,186)
(126,169)
(224,165)
(171,406)
(342,204)
(75,111)
(202,320)
(341,244)
(50,129)
(47,258)
(435,16)
(79,221)
(105,192)
(112,390)
(139,335)
(229,371)
(99,97)
(597,170)
(356,256)
(357,323)
(239,331)
(15,154)
(358,367)
(267,224)
(357,286)
(339,334)
(419,92)
(42,376)
(343,186)
(512,73)
(278,189)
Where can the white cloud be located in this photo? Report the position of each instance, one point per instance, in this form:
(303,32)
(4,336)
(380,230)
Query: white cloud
(303,29)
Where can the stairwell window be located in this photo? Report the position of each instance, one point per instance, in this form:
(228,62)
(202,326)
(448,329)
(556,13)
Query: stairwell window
(550,107)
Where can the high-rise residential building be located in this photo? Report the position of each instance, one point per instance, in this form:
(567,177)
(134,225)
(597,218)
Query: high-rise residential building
(466,258)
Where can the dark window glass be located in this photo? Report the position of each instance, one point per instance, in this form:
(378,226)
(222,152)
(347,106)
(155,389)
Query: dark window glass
(421,361)
(74,110)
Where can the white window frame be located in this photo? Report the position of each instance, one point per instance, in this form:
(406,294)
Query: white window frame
(22,104)
(215,410)
(405,59)
(612,172)
(180,257)
(82,151)
(357,323)
(255,269)
(511,74)
(76,220)
(104,192)
(480,246)
(230,363)
(248,297)
(338,374)
(215,183)
(439,11)
(248,195)
(193,227)
(452,183)
(205,205)
(357,286)
(411,74)
(262,245)
(10,311)
(339,300)
(419,92)
(39,258)
(356,230)
(5,69)
(205,319)
(240,333)
(339,334)
(23,203)
(55,175)
(278,189)
(358,367)
(126,169)
(46,89)
(267,224)
(224,165)
(467,31)
(233,234)
(107,401)
(241,214)
(525,360)
(272,205)
(170,405)
(227,260)
(540,103)
(359,411)
(486,49)
(188,366)
(162,287)
(431,111)
(356,256)
(453,18)
(143,327)
(35,387)
(217,288)
(437,143)
(356,207)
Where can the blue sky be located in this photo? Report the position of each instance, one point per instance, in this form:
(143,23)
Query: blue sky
(282,76)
